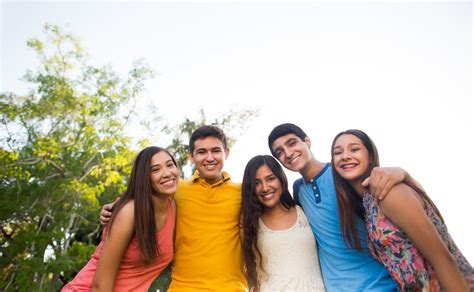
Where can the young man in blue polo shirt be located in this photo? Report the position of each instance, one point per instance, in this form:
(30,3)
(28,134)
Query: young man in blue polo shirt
(344,268)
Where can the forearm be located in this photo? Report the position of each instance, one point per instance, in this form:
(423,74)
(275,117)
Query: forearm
(448,273)
(405,208)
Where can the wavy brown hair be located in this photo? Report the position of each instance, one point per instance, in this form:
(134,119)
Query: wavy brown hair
(140,190)
(252,209)
(348,201)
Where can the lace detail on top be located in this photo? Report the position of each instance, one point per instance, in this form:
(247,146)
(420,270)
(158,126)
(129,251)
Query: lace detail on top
(290,259)
(392,247)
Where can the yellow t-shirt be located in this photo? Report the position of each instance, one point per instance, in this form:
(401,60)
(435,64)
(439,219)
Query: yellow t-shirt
(208,254)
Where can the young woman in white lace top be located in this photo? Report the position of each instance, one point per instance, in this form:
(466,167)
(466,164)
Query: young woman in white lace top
(279,247)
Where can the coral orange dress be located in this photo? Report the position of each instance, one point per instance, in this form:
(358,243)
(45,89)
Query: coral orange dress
(133,274)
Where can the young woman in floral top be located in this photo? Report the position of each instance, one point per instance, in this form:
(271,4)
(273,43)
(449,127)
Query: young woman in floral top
(406,232)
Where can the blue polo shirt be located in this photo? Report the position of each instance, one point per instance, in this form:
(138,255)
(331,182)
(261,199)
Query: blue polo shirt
(343,268)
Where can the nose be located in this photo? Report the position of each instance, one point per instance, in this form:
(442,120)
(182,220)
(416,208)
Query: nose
(209,156)
(345,155)
(166,172)
(287,152)
(265,187)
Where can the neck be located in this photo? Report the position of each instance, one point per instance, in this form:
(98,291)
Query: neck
(312,169)
(357,185)
(275,211)
(214,180)
(160,201)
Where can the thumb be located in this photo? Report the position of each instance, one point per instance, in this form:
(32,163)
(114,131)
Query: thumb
(366,182)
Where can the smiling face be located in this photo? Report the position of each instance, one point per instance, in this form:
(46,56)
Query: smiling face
(292,152)
(164,174)
(208,156)
(268,188)
(350,157)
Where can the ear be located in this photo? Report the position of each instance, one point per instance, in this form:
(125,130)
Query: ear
(227,153)
(307,141)
(191,157)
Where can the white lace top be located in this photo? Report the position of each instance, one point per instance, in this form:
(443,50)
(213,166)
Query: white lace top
(290,259)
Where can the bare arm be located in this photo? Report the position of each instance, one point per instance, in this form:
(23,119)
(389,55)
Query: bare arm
(404,207)
(116,243)
(383,179)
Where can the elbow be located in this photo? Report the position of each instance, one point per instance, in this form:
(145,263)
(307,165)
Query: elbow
(96,286)
(99,286)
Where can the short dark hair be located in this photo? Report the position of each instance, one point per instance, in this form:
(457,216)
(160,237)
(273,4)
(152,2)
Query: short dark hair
(204,132)
(282,130)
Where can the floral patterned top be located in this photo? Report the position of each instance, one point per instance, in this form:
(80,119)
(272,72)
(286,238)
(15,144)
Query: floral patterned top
(392,247)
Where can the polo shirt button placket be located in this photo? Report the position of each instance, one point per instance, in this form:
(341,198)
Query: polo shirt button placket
(316,191)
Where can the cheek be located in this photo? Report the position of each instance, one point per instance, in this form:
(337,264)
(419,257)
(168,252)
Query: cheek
(176,172)
(154,178)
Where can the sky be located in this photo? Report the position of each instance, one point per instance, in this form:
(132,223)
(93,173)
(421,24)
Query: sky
(400,71)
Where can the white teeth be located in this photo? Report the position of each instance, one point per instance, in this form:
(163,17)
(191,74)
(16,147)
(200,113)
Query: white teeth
(346,166)
(293,159)
(210,166)
(269,195)
(168,182)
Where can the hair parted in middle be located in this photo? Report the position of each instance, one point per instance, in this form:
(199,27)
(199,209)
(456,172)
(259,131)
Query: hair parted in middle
(349,202)
(140,190)
(252,209)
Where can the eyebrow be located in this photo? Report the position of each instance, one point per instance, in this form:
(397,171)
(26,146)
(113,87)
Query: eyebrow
(350,144)
(212,148)
(286,143)
(166,162)
(290,140)
(266,177)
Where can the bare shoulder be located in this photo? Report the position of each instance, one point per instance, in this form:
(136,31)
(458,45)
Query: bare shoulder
(126,215)
(399,197)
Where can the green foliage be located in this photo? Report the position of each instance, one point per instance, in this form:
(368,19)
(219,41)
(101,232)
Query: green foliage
(232,122)
(63,153)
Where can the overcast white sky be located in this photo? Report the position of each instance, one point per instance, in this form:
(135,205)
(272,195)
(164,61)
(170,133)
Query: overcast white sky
(402,72)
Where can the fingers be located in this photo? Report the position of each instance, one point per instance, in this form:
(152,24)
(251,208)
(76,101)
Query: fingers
(374,182)
(366,182)
(104,217)
(384,188)
(106,212)
(382,180)
(379,183)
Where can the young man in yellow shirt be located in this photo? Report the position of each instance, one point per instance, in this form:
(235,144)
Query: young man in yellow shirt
(208,254)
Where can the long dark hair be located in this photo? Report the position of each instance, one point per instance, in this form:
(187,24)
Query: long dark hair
(252,209)
(140,190)
(349,202)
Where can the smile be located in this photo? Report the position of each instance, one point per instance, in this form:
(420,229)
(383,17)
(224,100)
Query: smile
(293,159)
(268,196)
(348,166)
(168,183)
(210,166)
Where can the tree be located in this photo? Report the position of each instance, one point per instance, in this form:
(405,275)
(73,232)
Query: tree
(63,150)
(232,122)
(63,153)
